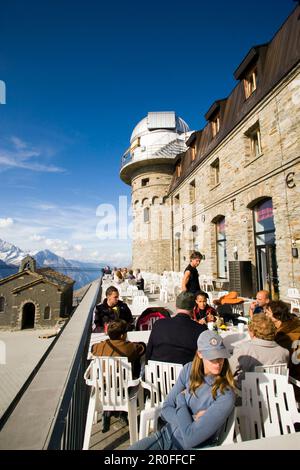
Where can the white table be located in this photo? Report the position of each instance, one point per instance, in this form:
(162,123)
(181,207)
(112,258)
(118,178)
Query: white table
(232,338)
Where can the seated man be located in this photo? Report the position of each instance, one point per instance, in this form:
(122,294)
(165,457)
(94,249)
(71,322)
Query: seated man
(259,305)
(118,346)
(260,350)
(110,310)
(175,339)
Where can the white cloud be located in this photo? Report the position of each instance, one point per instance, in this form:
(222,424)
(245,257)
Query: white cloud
(37,238)
(69,231)
(22,155)
(4,223)
(18,143)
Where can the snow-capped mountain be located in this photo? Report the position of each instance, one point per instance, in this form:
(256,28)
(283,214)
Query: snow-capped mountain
(10,254)
(7,269)
(83,273)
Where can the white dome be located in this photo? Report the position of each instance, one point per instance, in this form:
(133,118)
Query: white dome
(159,121)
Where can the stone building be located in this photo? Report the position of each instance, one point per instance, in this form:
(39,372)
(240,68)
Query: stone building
(235,192)
(34,298)
(148,166)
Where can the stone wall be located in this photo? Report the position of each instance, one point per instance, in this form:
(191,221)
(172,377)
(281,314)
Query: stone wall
(244,180)
(151,239)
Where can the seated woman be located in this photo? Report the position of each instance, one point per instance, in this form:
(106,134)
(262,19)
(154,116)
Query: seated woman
(200,401)
(118,278)
(287,335)
(260,350)
(202,312)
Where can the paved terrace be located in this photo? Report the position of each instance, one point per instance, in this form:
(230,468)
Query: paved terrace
(22,351)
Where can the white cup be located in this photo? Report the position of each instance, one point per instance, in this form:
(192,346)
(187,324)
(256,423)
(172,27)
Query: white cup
(241,327)
(210,325)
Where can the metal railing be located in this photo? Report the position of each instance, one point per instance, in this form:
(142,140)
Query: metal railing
(163,150)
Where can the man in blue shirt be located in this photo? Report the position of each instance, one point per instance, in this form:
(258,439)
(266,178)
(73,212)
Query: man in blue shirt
(259,305)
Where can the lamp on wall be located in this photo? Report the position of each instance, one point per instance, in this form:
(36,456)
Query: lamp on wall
(235,252)
(294,249)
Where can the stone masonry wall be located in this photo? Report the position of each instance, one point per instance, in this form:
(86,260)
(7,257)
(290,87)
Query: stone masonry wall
(151,240)
(243,181)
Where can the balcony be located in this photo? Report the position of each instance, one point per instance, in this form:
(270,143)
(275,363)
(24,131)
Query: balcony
(150,154)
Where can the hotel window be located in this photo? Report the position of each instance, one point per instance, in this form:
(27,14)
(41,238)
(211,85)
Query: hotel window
(215,172)
(253,135)
(178,169)
(215,125)
(192,188)
(221,248)
(146,214)
(47,313)
(145,182)
(2,304)
(250,82)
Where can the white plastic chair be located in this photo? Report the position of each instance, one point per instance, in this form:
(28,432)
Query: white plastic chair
(149,420)
(140,301)
(281,369)
(111,379)
(268,406)
(202,281)
(295,307)
(238,309)
(148,325)
(208,282)
(293,293)
(160,377)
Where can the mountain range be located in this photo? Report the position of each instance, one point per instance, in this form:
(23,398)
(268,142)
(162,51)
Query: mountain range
(82,272)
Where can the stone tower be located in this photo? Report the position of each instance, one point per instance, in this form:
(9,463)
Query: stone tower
(148,166)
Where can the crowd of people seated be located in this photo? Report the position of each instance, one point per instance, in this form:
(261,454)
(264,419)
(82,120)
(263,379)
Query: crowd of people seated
(120,275)
(205,392)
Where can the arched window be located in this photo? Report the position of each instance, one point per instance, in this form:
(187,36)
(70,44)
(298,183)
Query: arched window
(146,214)
(47,313)
(2,304)
(221,248)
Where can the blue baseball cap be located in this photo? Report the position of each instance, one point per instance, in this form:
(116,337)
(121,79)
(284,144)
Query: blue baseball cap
(211,346)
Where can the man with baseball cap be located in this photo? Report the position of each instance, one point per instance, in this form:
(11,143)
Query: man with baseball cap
(175,339)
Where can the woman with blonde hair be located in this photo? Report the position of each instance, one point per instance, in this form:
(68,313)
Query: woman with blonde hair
(260,350)
(200,401)
(118,278)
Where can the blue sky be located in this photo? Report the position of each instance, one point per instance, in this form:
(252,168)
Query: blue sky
(79,75)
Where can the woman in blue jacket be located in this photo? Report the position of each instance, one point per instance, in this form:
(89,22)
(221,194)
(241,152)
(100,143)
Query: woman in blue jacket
(200,401)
